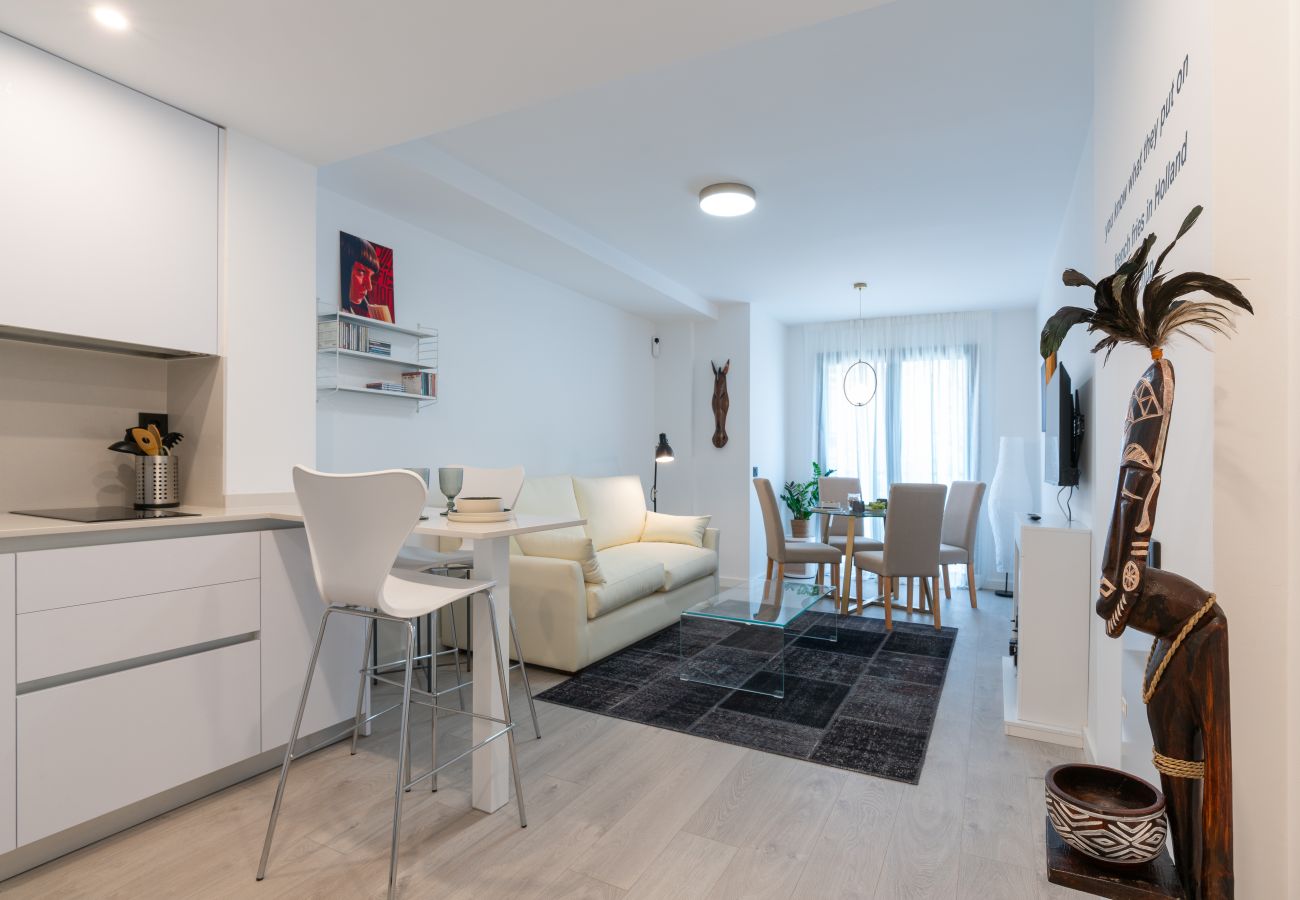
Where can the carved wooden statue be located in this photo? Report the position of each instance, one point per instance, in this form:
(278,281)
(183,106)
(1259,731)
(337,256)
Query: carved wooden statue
(1186,681)
(721,403)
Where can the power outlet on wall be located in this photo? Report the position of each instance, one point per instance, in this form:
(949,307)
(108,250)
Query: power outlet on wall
(160,419)
(755,471)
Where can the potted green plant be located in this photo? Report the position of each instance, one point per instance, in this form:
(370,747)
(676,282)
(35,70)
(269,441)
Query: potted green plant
(801,497)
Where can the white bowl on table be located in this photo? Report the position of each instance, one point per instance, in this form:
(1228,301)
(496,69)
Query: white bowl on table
(478,504)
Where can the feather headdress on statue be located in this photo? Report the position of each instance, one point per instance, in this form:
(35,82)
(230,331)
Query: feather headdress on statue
(1130,308)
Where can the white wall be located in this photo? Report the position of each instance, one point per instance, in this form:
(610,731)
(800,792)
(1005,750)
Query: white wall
(529,372)
(269,287)
(1256,112)
(1231,485)
(704,479)
(1139,52)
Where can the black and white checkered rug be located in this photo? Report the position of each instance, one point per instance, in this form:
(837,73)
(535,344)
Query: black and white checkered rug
(865,702)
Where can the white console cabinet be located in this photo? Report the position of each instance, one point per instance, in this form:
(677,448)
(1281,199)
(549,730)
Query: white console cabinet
(1045,686)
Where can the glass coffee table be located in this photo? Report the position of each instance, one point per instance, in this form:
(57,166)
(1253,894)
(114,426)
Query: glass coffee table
(752,659)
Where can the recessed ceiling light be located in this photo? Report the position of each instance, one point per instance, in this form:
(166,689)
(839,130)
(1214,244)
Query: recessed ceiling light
(110,18)
(727,199)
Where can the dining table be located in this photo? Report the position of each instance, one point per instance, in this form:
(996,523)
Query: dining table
(852,515)
(490,778)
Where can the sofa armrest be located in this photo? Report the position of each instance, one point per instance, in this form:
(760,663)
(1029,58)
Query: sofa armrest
(549,599)
(711,539)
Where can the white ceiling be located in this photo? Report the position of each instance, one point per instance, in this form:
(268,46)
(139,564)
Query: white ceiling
(926,146)
(327,79)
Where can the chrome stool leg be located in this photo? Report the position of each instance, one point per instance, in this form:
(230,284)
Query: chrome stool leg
(523,672)
(288,750)
(361,683)
(455,646)
(503,673)
(404,760)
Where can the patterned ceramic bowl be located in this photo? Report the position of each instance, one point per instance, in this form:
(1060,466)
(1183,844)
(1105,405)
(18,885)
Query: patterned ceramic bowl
(1106,814)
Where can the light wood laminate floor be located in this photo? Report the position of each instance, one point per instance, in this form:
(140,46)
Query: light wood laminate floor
(621,810)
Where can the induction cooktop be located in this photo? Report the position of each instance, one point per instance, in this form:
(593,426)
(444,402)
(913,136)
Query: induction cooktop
(102,513)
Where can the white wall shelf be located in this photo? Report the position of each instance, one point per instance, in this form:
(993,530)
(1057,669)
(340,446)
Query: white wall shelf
(376,358)
(347,370)
(394,394)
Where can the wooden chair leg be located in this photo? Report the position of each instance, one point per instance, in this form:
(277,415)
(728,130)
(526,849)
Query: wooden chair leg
(947,586)
(934,607)
(891,585)
(861,596)
(911,592)
(780,572)
(970,580)
(770,563)
(821,573)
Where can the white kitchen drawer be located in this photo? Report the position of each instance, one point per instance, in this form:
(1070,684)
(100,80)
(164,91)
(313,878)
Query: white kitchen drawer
(93,746)
(72,576)
(58,641)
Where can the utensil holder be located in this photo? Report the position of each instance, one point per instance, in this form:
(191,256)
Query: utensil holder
(157,482)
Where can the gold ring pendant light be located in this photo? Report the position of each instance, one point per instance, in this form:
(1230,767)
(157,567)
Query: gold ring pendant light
(860,370)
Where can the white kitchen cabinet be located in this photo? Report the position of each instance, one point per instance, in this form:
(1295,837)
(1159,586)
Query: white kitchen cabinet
(291,614)
(110,208)
(93,746)
(1045,687)
(8,707)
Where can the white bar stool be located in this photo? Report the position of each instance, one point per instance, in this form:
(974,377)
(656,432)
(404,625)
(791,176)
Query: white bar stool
(355,526)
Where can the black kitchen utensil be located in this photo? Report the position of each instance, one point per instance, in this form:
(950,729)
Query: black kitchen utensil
(126,447)
(172,438)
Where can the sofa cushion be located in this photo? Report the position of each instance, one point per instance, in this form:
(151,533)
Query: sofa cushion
(663,528)
(682,564)
(629,576)
(550,496)
(613,507)
(567,546)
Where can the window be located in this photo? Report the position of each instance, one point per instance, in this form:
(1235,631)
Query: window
(921,426)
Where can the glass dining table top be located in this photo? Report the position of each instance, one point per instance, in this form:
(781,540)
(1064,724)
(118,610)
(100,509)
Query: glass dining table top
(866,512)
(757,602)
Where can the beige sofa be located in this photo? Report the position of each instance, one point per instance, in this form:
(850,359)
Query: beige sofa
(579,594)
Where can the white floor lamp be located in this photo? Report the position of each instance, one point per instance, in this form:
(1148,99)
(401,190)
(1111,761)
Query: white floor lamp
(1010,497)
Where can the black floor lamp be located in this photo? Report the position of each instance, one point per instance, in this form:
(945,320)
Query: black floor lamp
(664,454)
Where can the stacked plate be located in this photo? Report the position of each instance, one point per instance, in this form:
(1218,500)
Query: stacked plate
(479,509)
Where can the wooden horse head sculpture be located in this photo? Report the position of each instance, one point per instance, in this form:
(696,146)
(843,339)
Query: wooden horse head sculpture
(721,403)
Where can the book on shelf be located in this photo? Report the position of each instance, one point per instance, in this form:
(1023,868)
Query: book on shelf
(390,386)
(423,383)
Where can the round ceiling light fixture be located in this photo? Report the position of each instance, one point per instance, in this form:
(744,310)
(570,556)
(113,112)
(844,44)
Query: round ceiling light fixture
(110,18)
(728,199)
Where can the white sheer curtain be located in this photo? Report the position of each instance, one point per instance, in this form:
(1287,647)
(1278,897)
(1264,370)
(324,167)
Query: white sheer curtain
(925,421)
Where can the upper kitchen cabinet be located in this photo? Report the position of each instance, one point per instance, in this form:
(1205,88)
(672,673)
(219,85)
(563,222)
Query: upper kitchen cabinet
(108,211)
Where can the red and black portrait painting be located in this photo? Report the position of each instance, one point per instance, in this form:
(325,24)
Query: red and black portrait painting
(366,278)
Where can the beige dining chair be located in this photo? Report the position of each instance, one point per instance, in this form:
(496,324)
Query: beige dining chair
(911,550)
(834,491)
(957,542)
(780,551)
